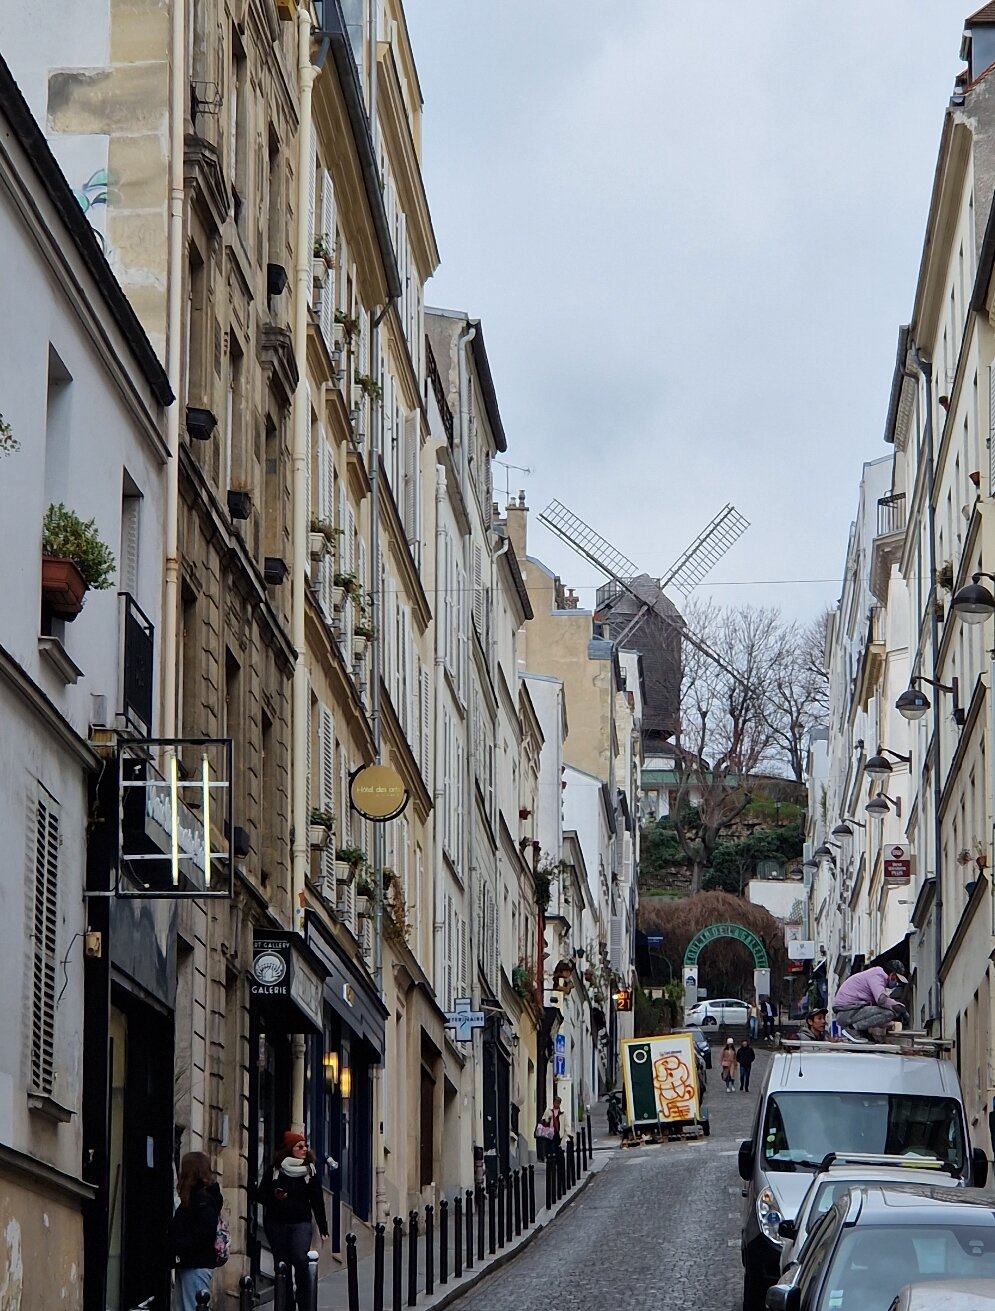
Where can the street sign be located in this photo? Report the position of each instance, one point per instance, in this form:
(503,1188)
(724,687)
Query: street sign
(801,949)
(559,1066)
(897,863)
(561,1044)
(464,1020)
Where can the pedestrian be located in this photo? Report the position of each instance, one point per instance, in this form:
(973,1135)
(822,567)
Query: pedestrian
(292,1200)
(745,1057)
(864,1005)
(814,1028)
(553,1118)
(727,1063)
(754,1019)
(767,1017)
(193,1229)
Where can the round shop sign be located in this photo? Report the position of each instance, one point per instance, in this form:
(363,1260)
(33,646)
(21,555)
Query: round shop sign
(269,969)
(377,792)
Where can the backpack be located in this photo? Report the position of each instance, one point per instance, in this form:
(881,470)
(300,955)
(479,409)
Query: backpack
(222,1242)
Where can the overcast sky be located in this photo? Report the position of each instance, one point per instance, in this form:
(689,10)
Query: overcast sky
(690,232)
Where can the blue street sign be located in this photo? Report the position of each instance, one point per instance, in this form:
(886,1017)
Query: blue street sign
(561,1044)
(559,1067)
(464,1020)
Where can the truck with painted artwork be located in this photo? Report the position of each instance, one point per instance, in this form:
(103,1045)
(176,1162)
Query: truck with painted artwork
(662,1093)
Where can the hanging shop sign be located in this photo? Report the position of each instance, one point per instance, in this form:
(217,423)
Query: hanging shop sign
(897,863)
(285,981)
(377,792)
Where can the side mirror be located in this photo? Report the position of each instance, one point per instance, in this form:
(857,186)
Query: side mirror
(746,1159)
(783,1297)
(787,1229)
(979,1168)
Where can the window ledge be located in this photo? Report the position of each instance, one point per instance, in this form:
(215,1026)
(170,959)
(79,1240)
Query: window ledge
(60,659)
(44,1104)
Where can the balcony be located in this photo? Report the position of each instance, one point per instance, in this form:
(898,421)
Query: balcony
(886,549)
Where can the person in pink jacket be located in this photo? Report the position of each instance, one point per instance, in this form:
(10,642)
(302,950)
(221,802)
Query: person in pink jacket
(863,1005)
(727,1063)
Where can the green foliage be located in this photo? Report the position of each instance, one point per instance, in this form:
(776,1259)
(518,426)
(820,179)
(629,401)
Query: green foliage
(322,818)
(69,537)
(654,1015)
(354,856)
(8,442)
(734,863)
(659,847)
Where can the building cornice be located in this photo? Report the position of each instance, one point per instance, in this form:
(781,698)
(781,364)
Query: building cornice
(46,711)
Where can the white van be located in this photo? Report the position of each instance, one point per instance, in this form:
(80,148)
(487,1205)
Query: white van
(821,1098)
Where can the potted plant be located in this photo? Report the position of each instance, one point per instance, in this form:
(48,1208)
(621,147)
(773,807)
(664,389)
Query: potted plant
(319,538)
(73,560)
(321,824)
(370,388)
(323,258)
(364,893)
(343,585)
(348,862)
(349,325)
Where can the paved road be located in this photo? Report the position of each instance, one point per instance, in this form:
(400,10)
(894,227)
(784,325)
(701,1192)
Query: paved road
(658,1230)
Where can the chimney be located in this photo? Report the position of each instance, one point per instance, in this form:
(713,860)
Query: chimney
(517,519)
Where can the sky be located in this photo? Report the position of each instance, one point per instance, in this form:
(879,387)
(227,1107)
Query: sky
(691,232)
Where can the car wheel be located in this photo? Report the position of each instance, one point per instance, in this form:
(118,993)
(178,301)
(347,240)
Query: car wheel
(709,1019)
(754,1292)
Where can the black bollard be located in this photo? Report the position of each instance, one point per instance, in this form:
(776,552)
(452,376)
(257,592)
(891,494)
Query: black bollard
(590,1139)
(571,1167)
(550,1179)
(352,1271)
(480,1224)
(517,1189)
(429,1253)
(443,1242)
(509,1187)
(412,1258)
(524,1189)
(458,1235)
(491,1218)
(500,1211)
(397,1256)
(281,1301)
(468,1214)
(378,1235)
(532,1194)
(561,1181)
(203,1297)
(312,1281)
(245,1291)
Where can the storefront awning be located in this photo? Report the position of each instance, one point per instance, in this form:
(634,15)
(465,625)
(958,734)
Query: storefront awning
(285,981)
(347,990)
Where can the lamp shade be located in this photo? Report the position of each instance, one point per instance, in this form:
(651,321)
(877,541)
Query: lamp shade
(974,603)
(843,830)
(912,704)
(877,767)
(823,852)
(877,806)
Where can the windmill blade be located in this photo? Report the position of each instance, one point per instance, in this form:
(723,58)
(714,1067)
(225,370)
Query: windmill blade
(706,551)
(582,538)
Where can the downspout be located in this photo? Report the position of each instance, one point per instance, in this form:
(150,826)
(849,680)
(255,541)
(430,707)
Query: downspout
(174,366)
(925,367)
(438,785)
(306,74)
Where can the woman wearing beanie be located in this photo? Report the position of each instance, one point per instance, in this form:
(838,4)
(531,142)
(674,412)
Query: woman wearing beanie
(291,1196)
(727,1063)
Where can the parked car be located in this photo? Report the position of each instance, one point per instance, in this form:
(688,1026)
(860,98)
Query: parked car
(703,1047)
(839,1173)
(877,1238)
(843,1099)
(723,1010)
(946,1295)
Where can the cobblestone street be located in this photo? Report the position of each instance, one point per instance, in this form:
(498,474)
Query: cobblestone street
(658,1230)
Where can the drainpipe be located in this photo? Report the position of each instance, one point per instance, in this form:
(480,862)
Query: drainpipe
(174,366)
(438,788)
(306,74)
(925,367)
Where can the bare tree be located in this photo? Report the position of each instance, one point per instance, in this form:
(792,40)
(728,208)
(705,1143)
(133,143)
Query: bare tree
(799,692)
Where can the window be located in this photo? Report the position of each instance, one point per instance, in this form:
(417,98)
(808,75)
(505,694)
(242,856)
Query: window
(237,129)
(44,933)
(131,500)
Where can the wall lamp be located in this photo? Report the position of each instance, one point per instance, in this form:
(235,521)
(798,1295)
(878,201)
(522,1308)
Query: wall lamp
(877,767)
(825,851)
(844,830)
(913,703)
(974,603)
(878,806)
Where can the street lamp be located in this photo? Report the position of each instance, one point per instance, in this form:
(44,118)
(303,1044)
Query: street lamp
(825,851)
(877,806)
(974,603)
(844,830)
(913,703)
(878,768)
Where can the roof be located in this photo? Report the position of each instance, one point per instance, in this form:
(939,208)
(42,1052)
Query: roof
(986,14)
(486,381)
(15,113)
(859,1070)
(883,1203)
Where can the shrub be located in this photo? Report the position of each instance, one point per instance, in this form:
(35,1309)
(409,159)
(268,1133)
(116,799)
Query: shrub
(67,536)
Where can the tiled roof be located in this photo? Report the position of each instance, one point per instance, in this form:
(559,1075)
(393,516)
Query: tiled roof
(986,14)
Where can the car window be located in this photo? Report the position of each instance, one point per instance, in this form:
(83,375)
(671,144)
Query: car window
(817,1250)
(872,1262)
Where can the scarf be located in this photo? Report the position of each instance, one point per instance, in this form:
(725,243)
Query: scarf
(294,1168)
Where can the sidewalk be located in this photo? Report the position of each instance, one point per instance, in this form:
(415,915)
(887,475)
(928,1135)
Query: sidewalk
(333,1287)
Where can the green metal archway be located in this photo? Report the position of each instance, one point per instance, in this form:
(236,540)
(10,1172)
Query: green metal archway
(736,931)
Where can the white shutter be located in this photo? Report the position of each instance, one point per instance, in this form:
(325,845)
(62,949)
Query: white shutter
(326,782)
(327,303)
(326,511)
(308,793)
(412,453)
(426,713)
(478,589)
(615,942)
(350,568)
(463,983)
(448,974)
(130,510)
(991,429)
(44,946)
(309,509)
(311,184)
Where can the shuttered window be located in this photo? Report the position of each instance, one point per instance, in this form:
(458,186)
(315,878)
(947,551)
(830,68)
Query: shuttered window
(45,932)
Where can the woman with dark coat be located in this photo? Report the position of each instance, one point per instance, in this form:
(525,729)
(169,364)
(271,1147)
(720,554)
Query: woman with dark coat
(194,1228)
(291,1196)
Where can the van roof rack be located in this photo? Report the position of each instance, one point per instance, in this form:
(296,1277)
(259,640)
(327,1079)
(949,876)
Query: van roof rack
(909,1044)
(899,1162)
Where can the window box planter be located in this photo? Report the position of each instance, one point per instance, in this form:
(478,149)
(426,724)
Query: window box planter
(239,503)
(362,905)
(318,835)
(318,546)
(319,271)
(62,586)
(344,873)
(359,642)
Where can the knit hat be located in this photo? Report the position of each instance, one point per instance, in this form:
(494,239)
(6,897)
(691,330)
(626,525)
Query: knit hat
(898,969)
(291,1139)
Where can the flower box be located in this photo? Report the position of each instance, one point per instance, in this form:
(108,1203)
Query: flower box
(358,646)
(317,546)
(62,586)
(344,873)
(318,835)
(362,905)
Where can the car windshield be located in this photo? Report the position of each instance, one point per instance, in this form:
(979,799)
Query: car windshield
(871,1263)
(801,1128)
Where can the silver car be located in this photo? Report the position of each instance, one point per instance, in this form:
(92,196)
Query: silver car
(946,1295)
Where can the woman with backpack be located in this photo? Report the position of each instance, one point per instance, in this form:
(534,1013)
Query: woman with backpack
(194,1229)
(291,1196)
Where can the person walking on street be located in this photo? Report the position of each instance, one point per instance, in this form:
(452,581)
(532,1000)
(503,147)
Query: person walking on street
(727,1063)
(745,1057)
(292,1199)
(767,1017)
(553,1117)
(864,1005)
(193,1229)
(754,1019)
(814,1028)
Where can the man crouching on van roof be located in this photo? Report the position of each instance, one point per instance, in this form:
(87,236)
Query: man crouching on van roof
(814,1028)
(863,1004)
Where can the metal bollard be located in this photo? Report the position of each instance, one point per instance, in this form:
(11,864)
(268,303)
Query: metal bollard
(458,1235)
(245,1291)
(480,1224)
(468,1215)
(524,1191)
(590,1139)
(280,1298)
(581,1152)
(500,1211)
(571,1166)
(378,1239)
(397,1256)
(352,1271)
(412,1258)
(312,1281)
(561,1182)
(429,1253)
(443,1242)
(532,1194)
(491,1218)
(550,1176)
(517,1190)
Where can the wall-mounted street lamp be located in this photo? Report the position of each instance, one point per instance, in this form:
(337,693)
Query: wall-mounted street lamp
(974,603)
(878,806)
(844,829)
(877,767)
(825,851)
(913,703)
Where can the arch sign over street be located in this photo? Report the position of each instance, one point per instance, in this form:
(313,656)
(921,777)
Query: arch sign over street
(736,931)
